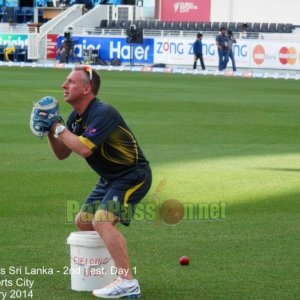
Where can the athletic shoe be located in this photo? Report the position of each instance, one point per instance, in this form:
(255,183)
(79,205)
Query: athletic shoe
(119,288)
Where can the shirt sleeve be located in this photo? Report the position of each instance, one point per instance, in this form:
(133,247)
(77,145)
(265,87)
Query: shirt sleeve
(99,126)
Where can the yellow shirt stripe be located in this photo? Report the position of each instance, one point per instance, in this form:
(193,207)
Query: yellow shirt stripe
(130,192)
(87,142)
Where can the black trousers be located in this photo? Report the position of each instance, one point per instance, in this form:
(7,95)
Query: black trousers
(200,57)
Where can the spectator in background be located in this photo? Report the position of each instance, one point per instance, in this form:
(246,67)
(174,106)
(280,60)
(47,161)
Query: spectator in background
(231,41)
(8,51)
(223,51)
(245,33)
(62,53)
(198,53)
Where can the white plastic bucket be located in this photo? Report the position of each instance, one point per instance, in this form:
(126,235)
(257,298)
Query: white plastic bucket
(91,263)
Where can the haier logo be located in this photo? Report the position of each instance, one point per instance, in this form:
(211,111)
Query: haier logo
(111,48)
(139,53)
(184,7)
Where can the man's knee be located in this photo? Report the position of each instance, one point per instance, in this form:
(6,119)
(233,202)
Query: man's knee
(84,220)
(104,219)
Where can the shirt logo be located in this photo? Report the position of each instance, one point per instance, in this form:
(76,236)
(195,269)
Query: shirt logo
(91,131)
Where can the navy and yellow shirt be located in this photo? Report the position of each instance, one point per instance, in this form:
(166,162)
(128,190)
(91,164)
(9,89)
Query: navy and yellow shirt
(102,129)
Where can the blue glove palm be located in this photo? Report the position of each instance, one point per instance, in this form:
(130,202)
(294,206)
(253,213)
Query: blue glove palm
(44,115)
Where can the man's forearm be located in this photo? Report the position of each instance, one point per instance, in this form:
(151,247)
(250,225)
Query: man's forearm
(66,143)
(60,150)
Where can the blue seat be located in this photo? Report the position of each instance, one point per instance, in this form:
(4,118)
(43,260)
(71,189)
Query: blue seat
(28,14)
(272,27)
(168,26)
(19,16)
(256,27)
(199,26)
(288,28)
(151,24)
(2,13)
(20,54)
(264,27)
(159,25)
(184,26)
(207,26)
(176,25)
(280,28)
(2,52)
(215,26)
(143,24)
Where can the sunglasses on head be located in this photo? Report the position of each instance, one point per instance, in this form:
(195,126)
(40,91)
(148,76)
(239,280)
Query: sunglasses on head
(89,70)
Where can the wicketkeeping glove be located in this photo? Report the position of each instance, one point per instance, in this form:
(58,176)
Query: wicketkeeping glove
(44,115)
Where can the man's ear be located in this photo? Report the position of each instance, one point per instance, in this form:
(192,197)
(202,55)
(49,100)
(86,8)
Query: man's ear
(87,89)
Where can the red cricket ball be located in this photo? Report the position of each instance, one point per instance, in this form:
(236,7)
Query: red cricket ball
(184,260)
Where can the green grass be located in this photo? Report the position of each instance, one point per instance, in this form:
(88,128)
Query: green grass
(209,140)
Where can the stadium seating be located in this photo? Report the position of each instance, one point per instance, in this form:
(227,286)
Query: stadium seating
(199,26)
(239,27)
(2,12)
(151,24)
(119,24)
(168,26)
(111,24)
(264,27)
(184,26)
(215,26)
(207,26)
(222,25)
(176,26)
(288,28)
(272,27)
(159,25)
(280,27)
(2,52)
(192,26)
(20,54)
(143,24)
(126,24)
(19,16)
(253,28)
(28,11)
(232,26)
(103,24)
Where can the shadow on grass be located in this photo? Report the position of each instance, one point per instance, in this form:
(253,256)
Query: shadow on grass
(279,169)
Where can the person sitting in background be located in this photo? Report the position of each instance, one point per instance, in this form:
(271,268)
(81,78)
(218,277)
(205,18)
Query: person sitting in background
(8,51)
(245,33)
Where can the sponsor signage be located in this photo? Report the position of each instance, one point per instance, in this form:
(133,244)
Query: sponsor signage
(275,55)
(113,47)
(248,53)
(16,39)
(51,46)
(185,10)
(179,51)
